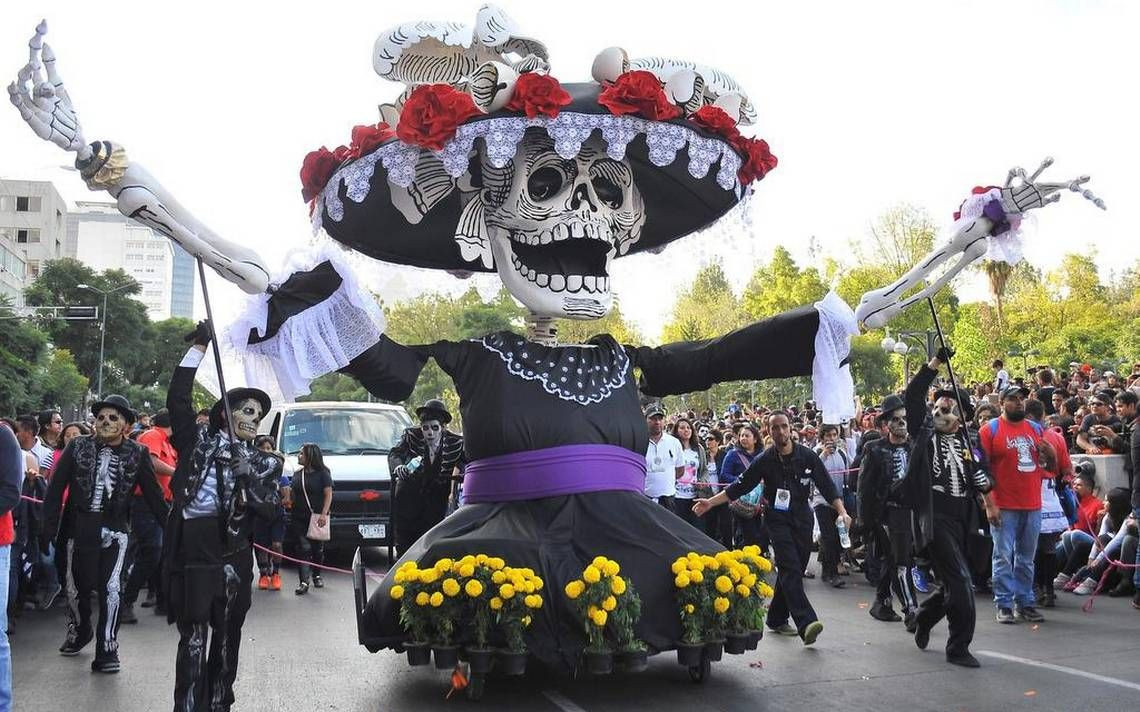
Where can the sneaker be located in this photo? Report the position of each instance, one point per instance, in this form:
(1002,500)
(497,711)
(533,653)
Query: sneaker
(1061,579)
(1005,615)
(263,583)
(107,664)
(318,581)
(76,641)
(1072,585)
(49,596)
(1030,614)
(1048,600)
(1136,601)
(302,589)
(883,612)
(812,631)
(921,582)
(921,635)
(964,659)
(1123,589)
(127,615)
(1085,587)
(785,629)
(275,582)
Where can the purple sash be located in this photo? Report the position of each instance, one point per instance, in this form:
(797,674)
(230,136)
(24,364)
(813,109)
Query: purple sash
(554,471)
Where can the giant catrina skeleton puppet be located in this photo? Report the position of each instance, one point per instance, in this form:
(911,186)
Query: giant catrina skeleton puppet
(487,162)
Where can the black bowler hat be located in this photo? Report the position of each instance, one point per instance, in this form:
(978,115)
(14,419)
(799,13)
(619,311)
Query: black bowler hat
(434,409)
(962,396)
(235,396)
(890,404)
(117,402)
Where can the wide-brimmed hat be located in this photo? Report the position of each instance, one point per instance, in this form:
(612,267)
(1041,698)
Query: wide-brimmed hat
(235,396)
(434,409)
(403,189)
(117,402)
(890,404)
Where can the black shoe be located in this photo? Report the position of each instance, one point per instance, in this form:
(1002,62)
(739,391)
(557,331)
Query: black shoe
(107,664)
(964,659)
(1005,615)
(302,589)
(318,581)
(1030,614)
(1123,589)
(1048,600)
(76,640)
(809,574)
(127,615)
(837,582)
(151,600)
(1136,601)
(910,622)
(883,612)
(921,635)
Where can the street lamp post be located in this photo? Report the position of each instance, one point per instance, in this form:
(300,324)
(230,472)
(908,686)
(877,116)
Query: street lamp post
(900,347)
(102,326)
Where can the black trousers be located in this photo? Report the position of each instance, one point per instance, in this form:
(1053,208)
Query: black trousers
(828,539)
(210,595)
(1045,564)
(791,542)
(683,508)
(894,540)
(146,547)
(954,597)
(308,549)
(98,557)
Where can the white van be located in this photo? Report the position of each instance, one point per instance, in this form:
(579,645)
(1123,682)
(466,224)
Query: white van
(354,438)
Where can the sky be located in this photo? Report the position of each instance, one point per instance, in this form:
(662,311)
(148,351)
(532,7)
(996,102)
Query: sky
(867,105)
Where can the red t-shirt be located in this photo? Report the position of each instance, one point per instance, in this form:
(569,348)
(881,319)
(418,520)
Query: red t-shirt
(1011,449)
(159,445)
(1087,511)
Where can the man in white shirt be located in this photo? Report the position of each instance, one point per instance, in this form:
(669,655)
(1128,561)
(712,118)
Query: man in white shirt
(663,461)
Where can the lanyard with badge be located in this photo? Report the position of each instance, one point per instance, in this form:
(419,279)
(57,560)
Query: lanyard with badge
(782,502)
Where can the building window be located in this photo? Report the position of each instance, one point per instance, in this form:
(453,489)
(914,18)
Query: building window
(33,269)
(27,236)
(5,203)
(26,204)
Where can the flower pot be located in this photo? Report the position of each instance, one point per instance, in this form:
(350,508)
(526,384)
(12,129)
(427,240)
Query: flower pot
(736,643)
(599,663)
(632,660)
(511,663)
(754,637)
(418,653)
(690,655)
(446,656)
(480,659)
(714,649)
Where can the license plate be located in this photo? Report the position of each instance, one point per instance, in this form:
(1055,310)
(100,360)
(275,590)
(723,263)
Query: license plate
(372,531)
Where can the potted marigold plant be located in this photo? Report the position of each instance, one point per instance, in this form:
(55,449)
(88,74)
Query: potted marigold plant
(632,653)
(692,600)
(414,597)
(475,576)
(760,568)
(516,598)
(594,600)
(444,609)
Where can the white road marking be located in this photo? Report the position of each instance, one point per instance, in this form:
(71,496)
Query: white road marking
(1061,668)
(561,701)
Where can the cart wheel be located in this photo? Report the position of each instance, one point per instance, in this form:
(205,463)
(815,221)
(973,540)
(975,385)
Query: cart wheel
(475,686)
(700,673)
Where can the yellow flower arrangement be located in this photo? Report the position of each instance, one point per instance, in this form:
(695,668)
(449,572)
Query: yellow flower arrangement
(681,581)
(609,603)
(429,576)
(743,591)
(436,599)
(443,566)
(592,574)
(599,617)
(765,590)
(396,592)
(723,584)
(496,603)
(680,565)
(611,568)
(466,570)
(450,587)
(575,589)
(400,577)
(696,577)
(506,591)
(474,588)
(721,604)
(423,598)
(617,585)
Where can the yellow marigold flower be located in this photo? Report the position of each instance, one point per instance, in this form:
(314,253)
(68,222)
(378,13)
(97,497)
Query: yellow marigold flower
(533,601)
(412,575)
(682,580)
(765,590)
(591,610)
(711,563)
(528,586)
(480,559)
(609,604)
(429,576)
(611,568)
(466,570)
(599,562)
(763,564)
(721,604)
(400,576)
(617,585)
(575,588)
(443,565)
(496,603)
(750,580)
(697,565)
(436,599)
(506,591)
(498,577)
(696,576)
(495,563)
(599,617)
(468,559)
(743,590)
(723,584)
(450,586)
(396,592)
(734,574)
(692,555)
(538,583)
(689,608)
(592,574)
(526,621)
(422,598)
(752,550)
(527,572)
(407,565)
(678,566)
(473,587)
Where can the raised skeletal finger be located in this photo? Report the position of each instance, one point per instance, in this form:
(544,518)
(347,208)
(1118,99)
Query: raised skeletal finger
(1040,169)
(1014,173)
(53,74)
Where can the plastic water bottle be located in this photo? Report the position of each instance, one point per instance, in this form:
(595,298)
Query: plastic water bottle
(844,537)
(414,464)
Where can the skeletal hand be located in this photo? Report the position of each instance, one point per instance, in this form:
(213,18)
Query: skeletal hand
(43,101)
(1027,193)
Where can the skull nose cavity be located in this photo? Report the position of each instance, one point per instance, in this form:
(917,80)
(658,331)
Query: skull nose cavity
(582,192)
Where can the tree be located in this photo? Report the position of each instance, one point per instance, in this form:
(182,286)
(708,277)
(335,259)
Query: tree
(579,331)
(780,286)
(998,273)
(22,346)
(61,385)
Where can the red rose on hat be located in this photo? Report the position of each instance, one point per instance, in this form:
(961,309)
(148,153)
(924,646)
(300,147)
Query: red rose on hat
(316,170)
(366,138)
(538,94)
(432,114)
(342,154)
(758,159)
(715,120)
(638,92)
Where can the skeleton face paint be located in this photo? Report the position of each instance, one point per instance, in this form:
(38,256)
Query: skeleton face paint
(110,425)
(554,224)
(945,413)
(247,416)
(433,433)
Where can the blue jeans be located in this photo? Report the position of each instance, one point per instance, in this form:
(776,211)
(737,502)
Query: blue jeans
(5,649)
(1136,571)
(1015,546)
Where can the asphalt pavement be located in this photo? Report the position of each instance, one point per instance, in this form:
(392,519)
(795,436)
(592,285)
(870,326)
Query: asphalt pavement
(300,653)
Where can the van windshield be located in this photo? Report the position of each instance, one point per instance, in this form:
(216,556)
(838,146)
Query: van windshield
(343,431)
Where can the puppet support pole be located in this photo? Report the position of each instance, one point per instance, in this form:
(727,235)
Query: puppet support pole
(217,354)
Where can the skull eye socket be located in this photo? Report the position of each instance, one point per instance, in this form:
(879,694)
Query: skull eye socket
(545,183)
(608,192)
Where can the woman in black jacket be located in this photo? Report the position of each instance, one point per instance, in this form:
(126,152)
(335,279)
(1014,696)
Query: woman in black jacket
(311,491)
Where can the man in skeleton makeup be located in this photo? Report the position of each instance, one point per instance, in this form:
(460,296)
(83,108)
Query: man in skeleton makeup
(885,515)
(942,488)
(423,463)
(100,473)
(218,487)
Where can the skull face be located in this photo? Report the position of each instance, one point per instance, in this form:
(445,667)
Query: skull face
(247,415)
(554,224)
(110,425)
(433,433)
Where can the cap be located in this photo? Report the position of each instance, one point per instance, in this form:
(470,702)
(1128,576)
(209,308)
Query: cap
(1013,391)
(654,409)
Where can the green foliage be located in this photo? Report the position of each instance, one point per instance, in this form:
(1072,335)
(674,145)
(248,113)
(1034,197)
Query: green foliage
(781,285)
(22,346)
(61,383)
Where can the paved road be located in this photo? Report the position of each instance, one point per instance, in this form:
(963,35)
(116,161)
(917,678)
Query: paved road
(301,653)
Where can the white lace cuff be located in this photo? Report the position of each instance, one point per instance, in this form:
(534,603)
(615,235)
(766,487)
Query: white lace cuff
(832,385)
(321,339)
